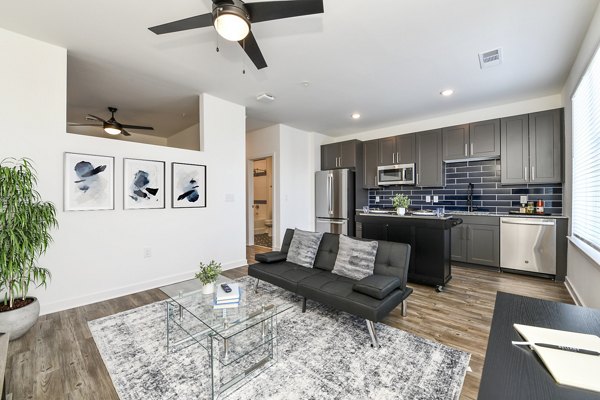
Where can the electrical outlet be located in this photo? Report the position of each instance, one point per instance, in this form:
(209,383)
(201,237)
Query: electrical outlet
(376,199)
(147,252)
(427,199)
(436,199)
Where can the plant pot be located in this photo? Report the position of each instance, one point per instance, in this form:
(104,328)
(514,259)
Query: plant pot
(208,288)
(18,321)
(400,211)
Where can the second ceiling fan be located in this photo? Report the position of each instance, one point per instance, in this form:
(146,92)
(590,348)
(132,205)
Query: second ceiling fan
(233,19)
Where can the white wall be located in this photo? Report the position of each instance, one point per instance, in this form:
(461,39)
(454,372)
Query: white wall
(296,157)
(482,114)
(583,273)
(188,138)
(99,254)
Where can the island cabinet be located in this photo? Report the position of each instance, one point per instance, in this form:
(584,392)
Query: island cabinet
(397,150)
(341,155)
(430,168)
(370,163)
(472,141)
(477,241)
(429,239)
(532,148)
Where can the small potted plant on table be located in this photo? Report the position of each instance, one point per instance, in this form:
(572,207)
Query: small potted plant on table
(401,203)
(208,275)
(25,224)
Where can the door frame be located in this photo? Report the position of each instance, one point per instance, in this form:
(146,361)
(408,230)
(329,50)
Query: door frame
(250,200)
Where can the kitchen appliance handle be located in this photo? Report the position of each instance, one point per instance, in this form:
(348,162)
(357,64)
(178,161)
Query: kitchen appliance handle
(331,221)
(542,222)
(329,190)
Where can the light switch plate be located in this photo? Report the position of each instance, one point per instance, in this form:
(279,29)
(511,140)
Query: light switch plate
(427,199)
(523,199)
(376,199)
(436,199)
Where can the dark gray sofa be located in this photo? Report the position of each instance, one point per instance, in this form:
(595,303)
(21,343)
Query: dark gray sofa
(371,298)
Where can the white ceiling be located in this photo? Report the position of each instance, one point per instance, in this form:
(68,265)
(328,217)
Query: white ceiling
(386,59)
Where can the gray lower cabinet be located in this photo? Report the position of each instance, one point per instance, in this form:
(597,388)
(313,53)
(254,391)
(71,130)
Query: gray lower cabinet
(476,241)
(532,148)
(370,161)
(430,171)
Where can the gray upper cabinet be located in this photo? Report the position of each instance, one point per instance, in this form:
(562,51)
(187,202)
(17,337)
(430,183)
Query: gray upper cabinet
(429,159)
(545,146)
(370,161)
(476,140)
(532,148)
(484,138)
(456,142)
(340,155)
(397,150)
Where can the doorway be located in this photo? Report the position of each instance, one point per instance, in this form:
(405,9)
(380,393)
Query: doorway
(262,201)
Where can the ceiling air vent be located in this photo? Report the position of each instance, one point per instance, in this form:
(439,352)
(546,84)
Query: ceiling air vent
(490,58)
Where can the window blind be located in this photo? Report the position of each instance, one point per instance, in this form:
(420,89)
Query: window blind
(586,156)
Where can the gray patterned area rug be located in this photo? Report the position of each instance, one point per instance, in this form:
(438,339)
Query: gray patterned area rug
(323,354)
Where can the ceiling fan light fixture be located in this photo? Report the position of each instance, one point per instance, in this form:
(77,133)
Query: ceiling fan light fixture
(231,23)
(112,128)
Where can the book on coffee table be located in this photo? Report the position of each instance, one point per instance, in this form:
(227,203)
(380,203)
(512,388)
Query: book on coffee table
(222,297)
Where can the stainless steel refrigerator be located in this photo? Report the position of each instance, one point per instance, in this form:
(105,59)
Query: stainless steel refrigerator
(334,201)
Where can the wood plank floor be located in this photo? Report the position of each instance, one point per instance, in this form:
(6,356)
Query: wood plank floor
(58,358)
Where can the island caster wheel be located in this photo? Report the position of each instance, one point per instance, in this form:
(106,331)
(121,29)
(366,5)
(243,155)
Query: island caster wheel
(439,288)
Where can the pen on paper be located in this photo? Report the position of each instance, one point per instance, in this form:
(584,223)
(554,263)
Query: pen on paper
(557,347)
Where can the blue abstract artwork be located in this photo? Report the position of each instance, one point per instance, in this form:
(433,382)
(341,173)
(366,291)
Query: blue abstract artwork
(143,184)
(88,182)
(189,185)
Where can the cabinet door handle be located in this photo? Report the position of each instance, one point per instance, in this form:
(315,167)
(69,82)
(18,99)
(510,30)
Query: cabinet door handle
(532,173)
(526,173)
(466,151)
(471,148)
(417,178)
(398,158)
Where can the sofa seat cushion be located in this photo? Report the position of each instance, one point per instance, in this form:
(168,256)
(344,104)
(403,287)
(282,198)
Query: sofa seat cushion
(283,274)
(355,258)
(377,286)
(270,257)
(303,248)
(338,291)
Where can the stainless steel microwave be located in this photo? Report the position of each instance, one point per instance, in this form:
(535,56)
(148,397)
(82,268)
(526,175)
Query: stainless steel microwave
(399,174)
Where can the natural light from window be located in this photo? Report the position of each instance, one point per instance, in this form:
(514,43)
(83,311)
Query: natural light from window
(586,156)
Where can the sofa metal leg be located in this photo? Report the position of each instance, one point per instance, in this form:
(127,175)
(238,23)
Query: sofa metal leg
(373,334)
(256,286)
(304,304)
(404,308)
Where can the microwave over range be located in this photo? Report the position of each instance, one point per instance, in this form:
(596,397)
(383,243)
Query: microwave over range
(399,174)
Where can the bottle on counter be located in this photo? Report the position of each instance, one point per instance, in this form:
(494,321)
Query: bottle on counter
(539,208)
(530,207)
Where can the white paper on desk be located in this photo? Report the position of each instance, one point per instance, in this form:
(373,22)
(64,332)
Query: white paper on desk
(567,368)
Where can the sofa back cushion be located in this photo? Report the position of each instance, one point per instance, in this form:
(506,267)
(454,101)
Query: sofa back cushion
(303,248)
(355,258)
(393,259)
(327,252)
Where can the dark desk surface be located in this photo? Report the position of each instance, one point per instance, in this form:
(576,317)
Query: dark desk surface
(512,372)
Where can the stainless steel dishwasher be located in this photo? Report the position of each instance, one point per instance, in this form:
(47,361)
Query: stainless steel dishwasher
(528,244)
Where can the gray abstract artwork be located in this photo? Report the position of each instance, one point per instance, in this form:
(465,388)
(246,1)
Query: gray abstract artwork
(189,185)
(144,184)
(88,182)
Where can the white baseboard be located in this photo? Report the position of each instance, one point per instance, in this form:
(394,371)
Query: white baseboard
(125,290)
(573,292)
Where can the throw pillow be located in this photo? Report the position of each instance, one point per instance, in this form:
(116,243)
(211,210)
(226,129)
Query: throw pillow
(355,258)
(303,248)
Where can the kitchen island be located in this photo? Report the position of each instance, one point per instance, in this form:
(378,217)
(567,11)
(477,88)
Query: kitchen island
(429,239)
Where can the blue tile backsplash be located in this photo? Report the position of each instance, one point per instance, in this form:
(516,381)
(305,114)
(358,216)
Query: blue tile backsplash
(489,194)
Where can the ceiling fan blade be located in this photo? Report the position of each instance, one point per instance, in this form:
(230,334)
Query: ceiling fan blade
(217,2)
(148,128)
(125,133)
(74,124)
(270,10)
(251,48)
(92,117)
(199,21)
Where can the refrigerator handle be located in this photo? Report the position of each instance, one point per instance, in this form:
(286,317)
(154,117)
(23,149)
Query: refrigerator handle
(329,194)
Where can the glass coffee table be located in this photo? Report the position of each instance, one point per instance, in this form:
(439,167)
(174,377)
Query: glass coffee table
(241,341)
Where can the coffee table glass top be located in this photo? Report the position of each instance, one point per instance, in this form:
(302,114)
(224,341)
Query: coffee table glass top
(253,307)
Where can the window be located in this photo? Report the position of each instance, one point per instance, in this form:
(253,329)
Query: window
(586,156)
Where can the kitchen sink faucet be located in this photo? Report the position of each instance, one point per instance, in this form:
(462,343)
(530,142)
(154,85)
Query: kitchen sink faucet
(470,207)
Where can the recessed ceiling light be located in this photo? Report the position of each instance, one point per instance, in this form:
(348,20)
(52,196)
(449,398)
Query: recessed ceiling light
(447,92)
(305,83)
(355,116)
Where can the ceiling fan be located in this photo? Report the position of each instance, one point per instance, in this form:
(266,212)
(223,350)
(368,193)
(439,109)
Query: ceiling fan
(233,18)
(112,126)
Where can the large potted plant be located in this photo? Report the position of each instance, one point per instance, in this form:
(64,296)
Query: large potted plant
(25,224)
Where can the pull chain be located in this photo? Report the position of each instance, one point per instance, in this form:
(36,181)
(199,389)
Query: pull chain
(243,58)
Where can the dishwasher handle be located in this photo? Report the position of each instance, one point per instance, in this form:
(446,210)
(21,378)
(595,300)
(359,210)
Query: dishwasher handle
(528,221)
